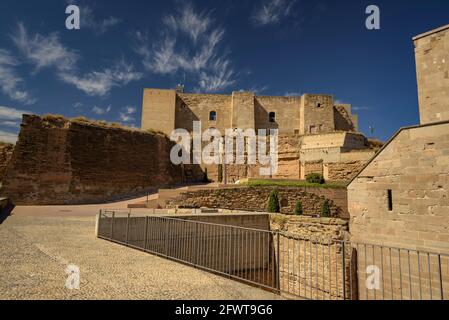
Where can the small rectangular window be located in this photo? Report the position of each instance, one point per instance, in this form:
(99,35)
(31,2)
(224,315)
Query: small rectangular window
(390,199)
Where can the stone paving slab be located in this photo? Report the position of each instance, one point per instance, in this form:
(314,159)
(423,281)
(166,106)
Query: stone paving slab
(35,252)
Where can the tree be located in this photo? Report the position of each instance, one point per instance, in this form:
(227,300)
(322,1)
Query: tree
(298,208)
(326,210)
(273,202)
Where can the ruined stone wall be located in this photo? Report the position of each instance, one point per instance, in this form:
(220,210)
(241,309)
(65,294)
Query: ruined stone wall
(432,69)
(342,171)
(312,167)
(312,259)
(6,151)
(414,166)
(57,161)
(287,110)
(256,199)
(343,118)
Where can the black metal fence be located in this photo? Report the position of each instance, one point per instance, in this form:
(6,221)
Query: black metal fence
(311,268)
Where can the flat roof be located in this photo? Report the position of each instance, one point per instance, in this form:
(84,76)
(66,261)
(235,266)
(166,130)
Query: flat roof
(428,33)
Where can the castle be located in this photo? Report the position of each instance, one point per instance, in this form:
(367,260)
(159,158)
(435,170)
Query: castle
(166,110)
(317,135)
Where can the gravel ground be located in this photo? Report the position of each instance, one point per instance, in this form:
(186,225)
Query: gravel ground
(35,252)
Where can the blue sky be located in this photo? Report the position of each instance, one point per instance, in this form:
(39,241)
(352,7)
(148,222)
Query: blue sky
(272,47)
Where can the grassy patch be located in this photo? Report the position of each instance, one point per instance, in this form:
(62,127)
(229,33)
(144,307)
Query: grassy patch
(294,183)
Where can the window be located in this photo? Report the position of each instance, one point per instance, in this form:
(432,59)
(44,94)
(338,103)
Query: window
(390,199)
(318,105)
(296,131)
(272,117)
(213,116)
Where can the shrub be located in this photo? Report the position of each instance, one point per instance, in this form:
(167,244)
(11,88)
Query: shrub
(273,202)
(326,210)
(298,208)
(220,173)
(315,178)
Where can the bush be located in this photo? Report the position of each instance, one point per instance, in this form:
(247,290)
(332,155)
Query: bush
(298,208)
(326,210)
(220,173)
(273,202)
(315,178)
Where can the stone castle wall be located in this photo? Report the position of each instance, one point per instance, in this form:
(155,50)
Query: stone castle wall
(414,166)
(166,110)
(256,199)
(432,69)
(6,151)
(57,161)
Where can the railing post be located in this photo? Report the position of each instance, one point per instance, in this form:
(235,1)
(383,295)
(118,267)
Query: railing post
(278,263)
(145,241)
(127,229)
(112,225)
(343,253)
(441,277)
(229,251)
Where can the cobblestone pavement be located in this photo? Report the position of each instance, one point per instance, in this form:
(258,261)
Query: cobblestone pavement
(35,251)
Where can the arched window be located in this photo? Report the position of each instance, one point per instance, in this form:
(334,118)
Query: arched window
(272,117)
(213,116)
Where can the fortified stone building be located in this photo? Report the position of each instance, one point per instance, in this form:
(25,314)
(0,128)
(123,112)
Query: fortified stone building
(316,134)
(401,197)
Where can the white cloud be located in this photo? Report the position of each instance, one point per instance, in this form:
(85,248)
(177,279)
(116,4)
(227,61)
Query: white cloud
(11,113)
(101,111)
(126,115)
(77,105)
(44,51)
(271,12)
(100,83)
(10,82)
(89,20)
(14,124)
(49,52)
(190,43)
(362,108)
(8,137)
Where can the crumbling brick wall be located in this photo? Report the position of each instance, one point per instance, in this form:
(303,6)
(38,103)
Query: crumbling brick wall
(57,161)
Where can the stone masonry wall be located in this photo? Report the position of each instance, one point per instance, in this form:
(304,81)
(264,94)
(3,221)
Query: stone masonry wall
(6,151)
(57,161)
(256,199)
(342,171)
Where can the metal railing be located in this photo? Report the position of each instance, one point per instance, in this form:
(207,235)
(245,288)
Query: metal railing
(306,267)
(243,254)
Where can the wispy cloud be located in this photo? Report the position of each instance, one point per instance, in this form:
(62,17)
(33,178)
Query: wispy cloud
(10,117)
(101,111)
(8,137)
(89,20)
(44,51)
(271,12)
(126,115)
(293,94)
(48,52)
(361,108)
(11,84)
(190,43)
(11,113)
(100,83)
